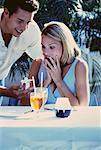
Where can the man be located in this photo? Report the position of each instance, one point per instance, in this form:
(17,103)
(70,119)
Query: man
(18,34)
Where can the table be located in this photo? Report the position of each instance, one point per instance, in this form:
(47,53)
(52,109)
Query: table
(21,131)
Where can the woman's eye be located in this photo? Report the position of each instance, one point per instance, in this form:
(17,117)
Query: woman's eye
(52,47)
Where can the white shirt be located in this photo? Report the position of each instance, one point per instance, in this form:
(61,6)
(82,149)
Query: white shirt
(29,42)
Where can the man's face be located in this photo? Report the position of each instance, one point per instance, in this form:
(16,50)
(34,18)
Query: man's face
(17,22)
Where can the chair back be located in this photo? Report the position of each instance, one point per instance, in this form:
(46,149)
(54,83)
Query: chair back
(93,100)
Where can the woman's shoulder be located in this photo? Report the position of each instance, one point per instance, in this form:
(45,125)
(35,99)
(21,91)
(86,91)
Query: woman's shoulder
(81,64)
(34,69)
(37,62)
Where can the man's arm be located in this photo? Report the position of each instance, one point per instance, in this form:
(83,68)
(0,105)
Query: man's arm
(9,92)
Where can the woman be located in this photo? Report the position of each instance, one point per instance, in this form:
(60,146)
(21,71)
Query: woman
(65,73)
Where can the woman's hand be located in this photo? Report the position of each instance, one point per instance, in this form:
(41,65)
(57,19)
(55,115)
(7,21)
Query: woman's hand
(48,79)
(54,70)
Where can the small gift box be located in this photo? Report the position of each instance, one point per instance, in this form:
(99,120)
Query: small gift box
(62,107)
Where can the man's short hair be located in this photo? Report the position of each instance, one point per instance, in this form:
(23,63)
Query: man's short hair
(28,5)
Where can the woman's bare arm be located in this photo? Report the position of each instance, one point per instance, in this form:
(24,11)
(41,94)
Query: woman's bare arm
(34,69)
(82,86)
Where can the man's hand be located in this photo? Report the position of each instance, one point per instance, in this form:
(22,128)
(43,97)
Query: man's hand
(13,91)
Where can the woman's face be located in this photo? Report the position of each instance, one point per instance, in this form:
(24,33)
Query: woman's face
(51,47)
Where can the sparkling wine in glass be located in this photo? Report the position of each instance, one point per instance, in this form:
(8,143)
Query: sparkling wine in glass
(38,98)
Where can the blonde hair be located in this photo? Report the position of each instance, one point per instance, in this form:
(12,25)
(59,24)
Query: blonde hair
(60,32)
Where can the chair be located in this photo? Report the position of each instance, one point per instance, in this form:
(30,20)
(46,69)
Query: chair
(93,100)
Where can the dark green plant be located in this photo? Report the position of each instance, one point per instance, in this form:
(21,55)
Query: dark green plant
(1,3)
(60,10)
(78,15)
(92,23)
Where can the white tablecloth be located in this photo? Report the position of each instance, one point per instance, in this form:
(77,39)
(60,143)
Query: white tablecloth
(23,131)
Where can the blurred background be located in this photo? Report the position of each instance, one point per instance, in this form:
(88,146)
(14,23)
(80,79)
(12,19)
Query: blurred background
(83,17)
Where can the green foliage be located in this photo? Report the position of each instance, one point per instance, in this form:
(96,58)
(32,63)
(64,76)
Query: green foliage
(90,5)
(61,10)
(78,15)
(1,3)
